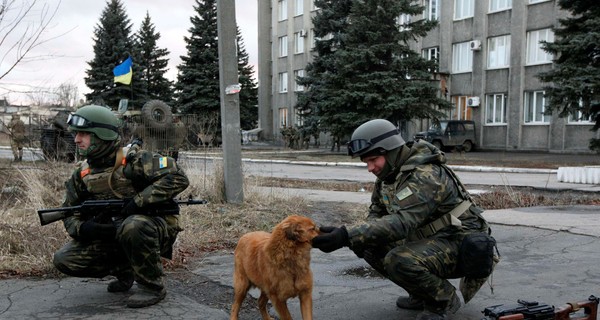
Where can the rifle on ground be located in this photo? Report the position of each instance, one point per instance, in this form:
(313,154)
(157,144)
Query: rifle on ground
(107,208)
(525,310)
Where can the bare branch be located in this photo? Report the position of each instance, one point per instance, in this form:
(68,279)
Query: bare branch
(21,30)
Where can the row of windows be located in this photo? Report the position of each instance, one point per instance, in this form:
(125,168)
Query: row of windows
(498,52)
(496,107)
(495,110)
(463,9)
(298,43)
(283,81)
(282,7)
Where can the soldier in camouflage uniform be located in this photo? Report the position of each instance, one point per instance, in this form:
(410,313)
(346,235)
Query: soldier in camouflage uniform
(402,237)
(131,245)
(16,127)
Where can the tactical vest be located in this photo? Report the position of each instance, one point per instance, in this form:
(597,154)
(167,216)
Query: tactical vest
(108,183)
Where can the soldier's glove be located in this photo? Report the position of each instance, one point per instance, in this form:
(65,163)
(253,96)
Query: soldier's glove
(137,141)
(131,208)
(331,239)
(91,230)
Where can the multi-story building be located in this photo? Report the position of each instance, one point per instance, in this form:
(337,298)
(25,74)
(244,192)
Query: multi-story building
(489,55)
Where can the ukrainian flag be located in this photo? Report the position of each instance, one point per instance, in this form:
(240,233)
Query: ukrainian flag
(123,72)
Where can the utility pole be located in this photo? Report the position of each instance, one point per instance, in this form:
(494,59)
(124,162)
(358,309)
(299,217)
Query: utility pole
(230,110)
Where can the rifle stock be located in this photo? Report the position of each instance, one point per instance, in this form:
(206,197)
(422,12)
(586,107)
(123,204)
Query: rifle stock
(526,310)
(112,207)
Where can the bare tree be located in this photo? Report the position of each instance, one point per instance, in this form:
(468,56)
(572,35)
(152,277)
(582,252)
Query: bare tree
(67,95)
(22,24)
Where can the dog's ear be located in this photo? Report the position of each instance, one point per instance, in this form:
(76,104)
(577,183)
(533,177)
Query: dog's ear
(292,231)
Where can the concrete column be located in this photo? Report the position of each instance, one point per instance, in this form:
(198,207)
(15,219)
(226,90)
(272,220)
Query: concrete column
(230,103)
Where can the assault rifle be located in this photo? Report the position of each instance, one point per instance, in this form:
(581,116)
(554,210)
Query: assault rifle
(525,310)
(107,208)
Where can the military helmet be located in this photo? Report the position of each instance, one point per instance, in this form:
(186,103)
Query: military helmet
(96,119)
(373,135)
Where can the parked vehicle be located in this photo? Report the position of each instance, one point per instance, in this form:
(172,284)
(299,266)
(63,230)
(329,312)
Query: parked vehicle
(446,134)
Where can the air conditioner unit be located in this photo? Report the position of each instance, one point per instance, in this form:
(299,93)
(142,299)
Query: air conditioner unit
(303,33)
(475,45)
(473,102)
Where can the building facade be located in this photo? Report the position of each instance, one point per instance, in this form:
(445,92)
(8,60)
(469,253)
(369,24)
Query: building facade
(489,55)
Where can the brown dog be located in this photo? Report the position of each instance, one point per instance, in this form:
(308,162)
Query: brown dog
(278,264)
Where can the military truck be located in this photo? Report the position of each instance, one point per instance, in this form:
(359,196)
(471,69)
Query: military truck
(155,124)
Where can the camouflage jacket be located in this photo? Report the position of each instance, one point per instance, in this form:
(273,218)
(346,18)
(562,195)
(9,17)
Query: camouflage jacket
(17,129)
(422,192)
(147,177)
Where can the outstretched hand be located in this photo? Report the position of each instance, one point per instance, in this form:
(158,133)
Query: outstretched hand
(331,239)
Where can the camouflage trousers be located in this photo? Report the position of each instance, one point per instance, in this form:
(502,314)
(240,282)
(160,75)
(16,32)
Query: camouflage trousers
(421,268)
(137,249)
(16,146)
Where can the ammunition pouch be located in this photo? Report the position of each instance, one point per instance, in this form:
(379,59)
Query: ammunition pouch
(476,255)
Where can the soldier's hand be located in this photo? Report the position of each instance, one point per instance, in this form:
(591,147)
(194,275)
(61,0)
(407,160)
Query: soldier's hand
(91,230)
(331,239)
(130,208)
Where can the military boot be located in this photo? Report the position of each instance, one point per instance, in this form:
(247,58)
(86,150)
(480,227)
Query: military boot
(437,314)
(409,303)
(146,297)
(121,284)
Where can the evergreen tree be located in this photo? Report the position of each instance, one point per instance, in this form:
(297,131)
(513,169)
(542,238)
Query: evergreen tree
(152,65)
(197,87)
(366,68)
(574,87)
(112,44)
(249,92)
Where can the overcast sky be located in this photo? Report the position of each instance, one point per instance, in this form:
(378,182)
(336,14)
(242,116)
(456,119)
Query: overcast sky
(76,19)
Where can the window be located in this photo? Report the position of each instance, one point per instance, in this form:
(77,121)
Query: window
(299,118)
(298,74)
(283,46)
(579,117)
(535,107)
(499,5)
(463,9)
(283,117)
(431,54)
(498,52)
(299,9)
(495,108)
(460,110)
(537,1)
(462,57)
(283,82)
(535,53)
(282,6)
(432,9)
(299,42)
(404,21)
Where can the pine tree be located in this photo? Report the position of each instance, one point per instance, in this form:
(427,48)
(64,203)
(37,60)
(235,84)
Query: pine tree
(249,92)
(197,87)
(152,65)
(574,82)
(366,68)
(112,44)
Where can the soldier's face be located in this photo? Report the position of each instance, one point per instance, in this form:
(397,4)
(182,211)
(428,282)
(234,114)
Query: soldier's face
(375,164)
(83,140)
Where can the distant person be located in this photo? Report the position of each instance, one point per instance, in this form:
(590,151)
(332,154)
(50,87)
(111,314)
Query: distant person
(16,127)
(130,245)
(419,217)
